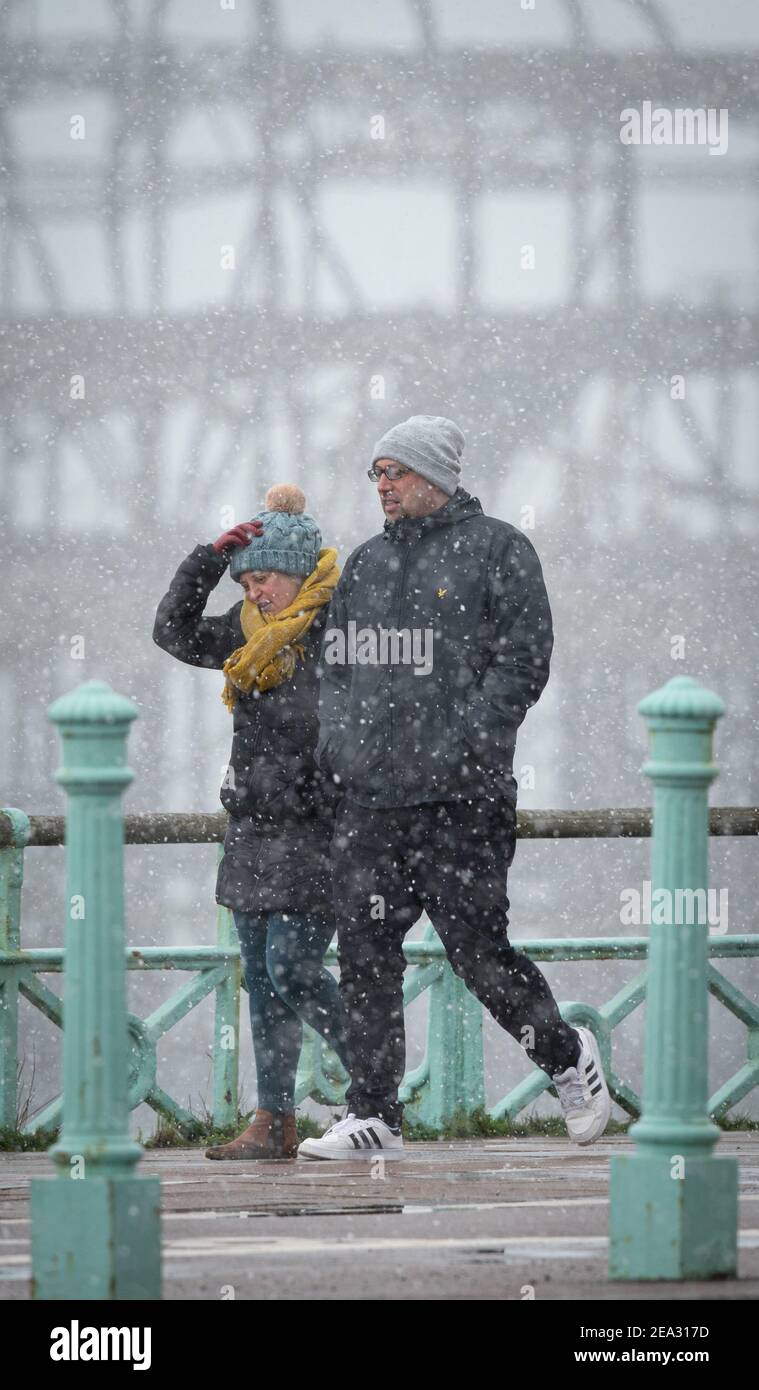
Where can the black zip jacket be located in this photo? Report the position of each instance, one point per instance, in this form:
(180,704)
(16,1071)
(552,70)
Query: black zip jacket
(472,588)
(276,851)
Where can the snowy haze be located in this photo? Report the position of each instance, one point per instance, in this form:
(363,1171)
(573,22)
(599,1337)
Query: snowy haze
(372,278)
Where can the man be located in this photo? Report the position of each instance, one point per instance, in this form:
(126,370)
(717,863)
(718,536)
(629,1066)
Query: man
(423,750)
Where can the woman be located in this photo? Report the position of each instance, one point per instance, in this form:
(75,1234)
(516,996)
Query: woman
(275,874)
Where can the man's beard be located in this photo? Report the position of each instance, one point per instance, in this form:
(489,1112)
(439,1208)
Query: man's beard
(401,512)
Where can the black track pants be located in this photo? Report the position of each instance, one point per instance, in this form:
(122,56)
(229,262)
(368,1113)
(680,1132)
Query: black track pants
(450,859)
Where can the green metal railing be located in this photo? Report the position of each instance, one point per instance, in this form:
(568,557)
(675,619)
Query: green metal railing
(673,1210)
(450,1078)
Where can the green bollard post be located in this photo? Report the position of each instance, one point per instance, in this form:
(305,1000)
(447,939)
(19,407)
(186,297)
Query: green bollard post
(96,1225)
(673,1204)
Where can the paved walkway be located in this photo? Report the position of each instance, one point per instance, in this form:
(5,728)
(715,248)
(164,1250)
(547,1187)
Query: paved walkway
(473,1219)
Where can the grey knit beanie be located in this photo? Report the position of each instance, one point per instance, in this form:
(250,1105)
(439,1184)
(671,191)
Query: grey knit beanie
(427,444)
(289,540)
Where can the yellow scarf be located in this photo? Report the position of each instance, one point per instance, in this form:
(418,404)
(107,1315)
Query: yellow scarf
(270,653)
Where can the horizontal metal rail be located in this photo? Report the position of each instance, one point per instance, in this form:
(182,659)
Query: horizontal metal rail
(194,828)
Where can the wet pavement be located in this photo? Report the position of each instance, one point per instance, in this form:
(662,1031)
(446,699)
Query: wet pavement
(472,1219)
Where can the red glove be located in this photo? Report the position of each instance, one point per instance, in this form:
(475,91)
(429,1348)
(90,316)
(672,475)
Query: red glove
(238,535)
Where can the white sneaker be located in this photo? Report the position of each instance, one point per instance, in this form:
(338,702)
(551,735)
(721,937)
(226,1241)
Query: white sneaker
(583,1093)
(352,1138)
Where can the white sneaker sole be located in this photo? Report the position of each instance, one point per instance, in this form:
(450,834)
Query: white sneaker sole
(347,1155)
(589,1039)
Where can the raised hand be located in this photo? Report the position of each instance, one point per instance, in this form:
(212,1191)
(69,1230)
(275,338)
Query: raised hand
(238,535)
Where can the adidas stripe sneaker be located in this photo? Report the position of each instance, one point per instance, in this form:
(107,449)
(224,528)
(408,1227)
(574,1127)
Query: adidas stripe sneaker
(583,1093)
(351,1138)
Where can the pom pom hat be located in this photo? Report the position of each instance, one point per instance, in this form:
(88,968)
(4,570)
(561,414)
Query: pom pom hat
(287,539)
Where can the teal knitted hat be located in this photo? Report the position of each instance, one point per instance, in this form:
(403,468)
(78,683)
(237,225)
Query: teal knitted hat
(290,541)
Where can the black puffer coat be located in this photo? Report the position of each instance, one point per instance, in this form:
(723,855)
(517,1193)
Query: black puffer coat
(474,587)
(281,807)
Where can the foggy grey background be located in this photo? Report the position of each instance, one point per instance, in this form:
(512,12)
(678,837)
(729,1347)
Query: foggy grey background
(375,278)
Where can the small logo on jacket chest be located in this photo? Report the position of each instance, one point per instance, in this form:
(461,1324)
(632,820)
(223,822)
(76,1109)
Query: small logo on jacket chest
(441,593)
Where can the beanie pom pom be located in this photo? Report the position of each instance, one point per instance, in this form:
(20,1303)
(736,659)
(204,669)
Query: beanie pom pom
(285,497)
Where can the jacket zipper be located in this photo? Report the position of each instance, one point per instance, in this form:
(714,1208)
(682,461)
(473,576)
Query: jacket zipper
(393,778)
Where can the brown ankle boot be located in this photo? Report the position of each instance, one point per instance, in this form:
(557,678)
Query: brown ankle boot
(268,1136)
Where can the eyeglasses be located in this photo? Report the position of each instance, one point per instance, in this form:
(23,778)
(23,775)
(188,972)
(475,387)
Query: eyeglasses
(393,472)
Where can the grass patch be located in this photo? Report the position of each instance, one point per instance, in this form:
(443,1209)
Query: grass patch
(477,1125)
(480,1125)
(169,1136)
(14,1141)
(738,1122)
